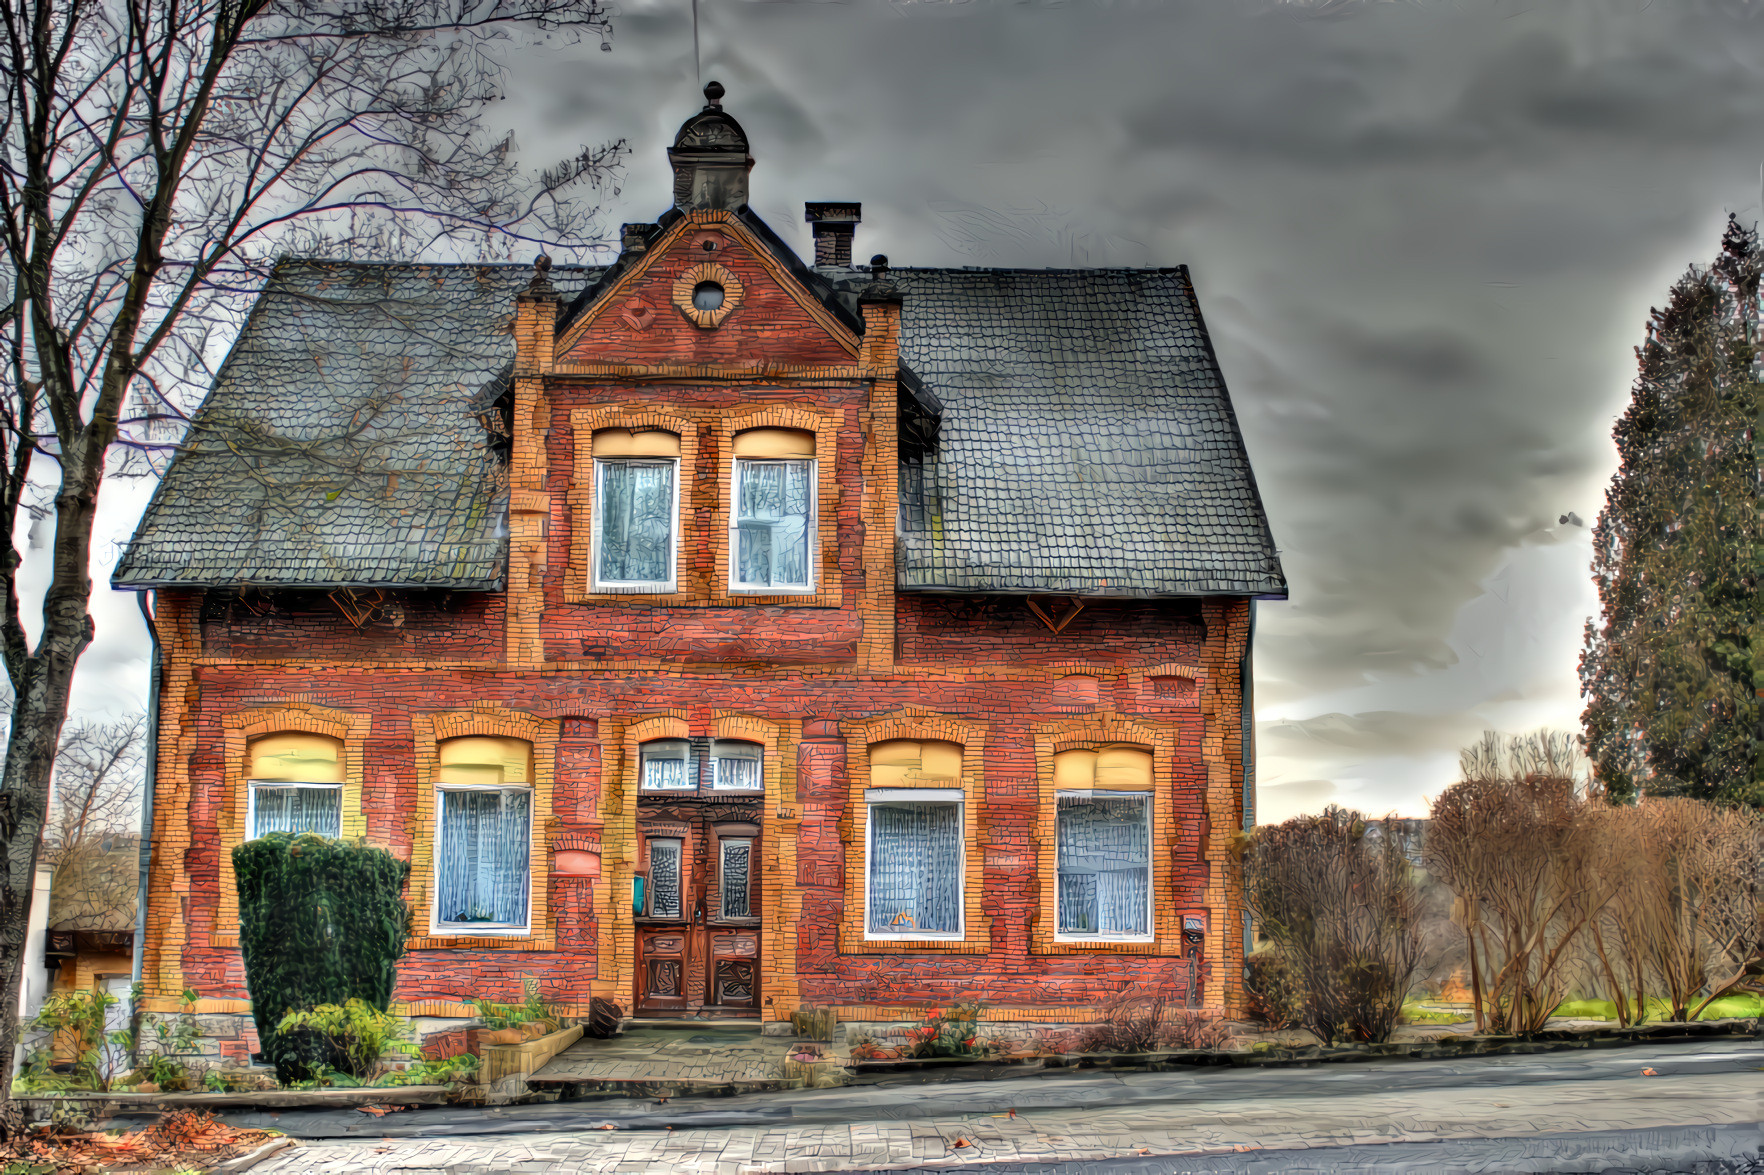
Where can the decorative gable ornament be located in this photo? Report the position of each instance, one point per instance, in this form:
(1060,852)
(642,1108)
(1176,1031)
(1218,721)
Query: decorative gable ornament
(707,276)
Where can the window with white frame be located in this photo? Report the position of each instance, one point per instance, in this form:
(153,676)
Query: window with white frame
(1102,837)
(483,838)
(636,509)
(734,874)
(665,764)
(294,783)
(913,872)
(737,766)
(772,521)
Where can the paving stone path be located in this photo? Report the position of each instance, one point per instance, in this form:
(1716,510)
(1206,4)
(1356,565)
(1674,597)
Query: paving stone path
(1697,1088)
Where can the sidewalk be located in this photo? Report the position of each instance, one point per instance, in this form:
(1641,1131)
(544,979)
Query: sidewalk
(1086,1118)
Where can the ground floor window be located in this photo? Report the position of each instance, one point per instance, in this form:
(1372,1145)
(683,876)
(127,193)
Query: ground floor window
(293,807)
(914,872)
(482,878)
(1104,846)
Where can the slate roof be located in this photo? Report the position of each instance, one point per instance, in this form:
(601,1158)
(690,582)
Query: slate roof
(1087,444)
(1086,441)
(337,447)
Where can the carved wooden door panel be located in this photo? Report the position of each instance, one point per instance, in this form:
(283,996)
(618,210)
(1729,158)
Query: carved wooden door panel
(732,916)
(664,927)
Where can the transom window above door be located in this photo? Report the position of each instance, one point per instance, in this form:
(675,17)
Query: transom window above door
(772,539)
(665,764)
(295,783)
(636,509)
(737,766)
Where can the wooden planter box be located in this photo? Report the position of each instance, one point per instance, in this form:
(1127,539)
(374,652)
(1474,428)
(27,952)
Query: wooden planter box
(503,1069)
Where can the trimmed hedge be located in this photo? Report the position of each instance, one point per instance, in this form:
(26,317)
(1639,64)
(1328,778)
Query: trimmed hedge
(321,921)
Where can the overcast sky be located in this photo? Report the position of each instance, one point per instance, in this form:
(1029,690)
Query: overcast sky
(1425,237)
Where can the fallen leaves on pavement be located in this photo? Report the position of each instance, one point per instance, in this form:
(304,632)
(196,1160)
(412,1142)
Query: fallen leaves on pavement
(180,1140)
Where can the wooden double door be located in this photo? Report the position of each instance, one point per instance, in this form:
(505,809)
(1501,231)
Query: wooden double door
(698,923)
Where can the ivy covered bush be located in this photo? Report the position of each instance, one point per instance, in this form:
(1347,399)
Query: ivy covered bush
(321,922)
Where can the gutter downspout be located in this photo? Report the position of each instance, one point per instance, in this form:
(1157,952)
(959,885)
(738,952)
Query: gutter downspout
(152,772)
(1247,740)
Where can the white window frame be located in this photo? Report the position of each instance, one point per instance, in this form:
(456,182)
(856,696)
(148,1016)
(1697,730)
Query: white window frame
(811,558)
(875,797)
(716,758)
(643,784)
(659,587)
(251,786)
(1151,888)
(723,844)
(437,925)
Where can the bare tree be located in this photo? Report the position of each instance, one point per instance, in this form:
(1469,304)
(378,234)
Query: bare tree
(155,156)
(95,809)
(1514,842)
(1343,909)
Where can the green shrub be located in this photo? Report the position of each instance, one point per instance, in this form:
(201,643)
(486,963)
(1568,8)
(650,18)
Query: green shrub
(355,1035)
(321,921)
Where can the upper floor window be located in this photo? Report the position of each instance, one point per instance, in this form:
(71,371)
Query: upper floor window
(483,810)
(636,508)
(296,785)
(1102,832)
(772,523)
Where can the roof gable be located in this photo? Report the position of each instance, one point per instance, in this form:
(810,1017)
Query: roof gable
(770,316)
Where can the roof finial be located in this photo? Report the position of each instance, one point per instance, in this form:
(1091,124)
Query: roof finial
(541,283)
(713,94)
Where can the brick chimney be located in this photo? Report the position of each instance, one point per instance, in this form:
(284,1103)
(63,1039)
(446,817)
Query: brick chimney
(834,225)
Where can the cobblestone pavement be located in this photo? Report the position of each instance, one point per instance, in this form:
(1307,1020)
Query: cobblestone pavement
(682,1058)
(1696,1098)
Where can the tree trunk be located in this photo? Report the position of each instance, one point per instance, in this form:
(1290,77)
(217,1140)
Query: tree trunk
(38,711)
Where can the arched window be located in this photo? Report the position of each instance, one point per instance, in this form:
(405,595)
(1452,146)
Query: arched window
(1103,842)
(636,504)
(296,784)
(914,858)
(772,540)
(483,812)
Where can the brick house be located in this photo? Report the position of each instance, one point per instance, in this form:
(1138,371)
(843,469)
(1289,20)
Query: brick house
(714,632)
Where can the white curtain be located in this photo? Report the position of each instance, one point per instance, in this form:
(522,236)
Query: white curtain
(772,518)
(666,763)
(1104,857)
(636,521)
(296,809)
(484,845)
(915,868)
(736,765)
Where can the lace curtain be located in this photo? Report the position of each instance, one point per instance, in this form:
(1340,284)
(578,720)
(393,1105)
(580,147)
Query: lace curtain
(1104,854)
(772,516)
(297,809)
(736,765)
(636,521)
(915,868)
(666,763)
(483,867)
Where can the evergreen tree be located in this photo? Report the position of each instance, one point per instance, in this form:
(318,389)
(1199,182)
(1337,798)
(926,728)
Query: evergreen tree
(1672,678)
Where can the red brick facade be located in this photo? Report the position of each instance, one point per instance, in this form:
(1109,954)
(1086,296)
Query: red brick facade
(585,676)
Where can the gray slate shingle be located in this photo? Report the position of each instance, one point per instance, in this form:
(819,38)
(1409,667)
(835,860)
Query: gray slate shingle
(1087,444)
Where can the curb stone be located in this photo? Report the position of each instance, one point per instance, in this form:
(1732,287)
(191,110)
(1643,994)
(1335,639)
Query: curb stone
(249,1160)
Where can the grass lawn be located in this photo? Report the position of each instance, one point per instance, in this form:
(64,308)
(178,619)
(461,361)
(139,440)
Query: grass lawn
(1726,1008)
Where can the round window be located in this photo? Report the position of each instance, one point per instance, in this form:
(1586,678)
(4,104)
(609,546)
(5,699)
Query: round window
(707,296)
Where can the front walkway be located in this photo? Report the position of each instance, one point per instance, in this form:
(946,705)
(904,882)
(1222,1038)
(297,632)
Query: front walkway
(685,1057)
